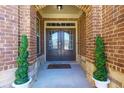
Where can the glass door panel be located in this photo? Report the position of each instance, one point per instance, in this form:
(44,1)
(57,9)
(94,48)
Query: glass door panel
(68,41)
(53,40)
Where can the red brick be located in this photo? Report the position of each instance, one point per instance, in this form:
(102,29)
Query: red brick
(1,68)
(122,70)
(8,34)
(5,67)
(112,26)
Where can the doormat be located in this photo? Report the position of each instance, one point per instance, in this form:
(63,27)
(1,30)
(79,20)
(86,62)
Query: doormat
(59,66)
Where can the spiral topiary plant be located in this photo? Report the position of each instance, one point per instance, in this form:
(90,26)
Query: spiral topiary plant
(100,61)
(22,62)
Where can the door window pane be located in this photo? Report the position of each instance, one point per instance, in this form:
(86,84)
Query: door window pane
(68,41)
(55,40)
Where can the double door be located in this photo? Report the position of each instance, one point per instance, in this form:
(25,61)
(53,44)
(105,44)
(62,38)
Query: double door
(60,45)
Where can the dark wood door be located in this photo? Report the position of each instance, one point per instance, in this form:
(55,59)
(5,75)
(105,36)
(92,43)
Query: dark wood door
(60,45)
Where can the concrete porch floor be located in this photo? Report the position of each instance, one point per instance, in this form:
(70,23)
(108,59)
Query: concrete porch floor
(61,78)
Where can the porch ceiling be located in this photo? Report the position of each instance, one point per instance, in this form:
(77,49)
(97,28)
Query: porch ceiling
(50,11)
(38,7)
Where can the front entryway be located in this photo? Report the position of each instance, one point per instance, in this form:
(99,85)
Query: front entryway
(73,77)
(60,45)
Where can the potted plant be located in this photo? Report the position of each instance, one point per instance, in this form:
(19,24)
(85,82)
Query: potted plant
(100,75)
(22,79)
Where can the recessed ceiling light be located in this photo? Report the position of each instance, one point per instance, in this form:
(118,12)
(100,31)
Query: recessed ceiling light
(59,7)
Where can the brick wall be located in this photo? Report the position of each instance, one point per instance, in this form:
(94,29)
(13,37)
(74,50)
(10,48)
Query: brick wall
(89,33)
(113,35)
(106,21)
(93,27)
(15,21)
(82,35)
(27,25)
(33,47)
(8,36)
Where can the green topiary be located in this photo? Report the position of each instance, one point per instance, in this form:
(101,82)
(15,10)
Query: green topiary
(100,61)
(22,62)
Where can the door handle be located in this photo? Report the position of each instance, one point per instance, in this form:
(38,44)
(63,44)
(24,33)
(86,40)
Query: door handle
(59,48)
(59,44)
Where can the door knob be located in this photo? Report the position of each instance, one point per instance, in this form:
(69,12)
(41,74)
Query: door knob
(59,43)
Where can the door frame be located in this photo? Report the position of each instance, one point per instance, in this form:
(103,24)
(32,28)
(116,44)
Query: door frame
(76,41)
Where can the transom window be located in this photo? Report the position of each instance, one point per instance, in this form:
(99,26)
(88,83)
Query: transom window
(60,24)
